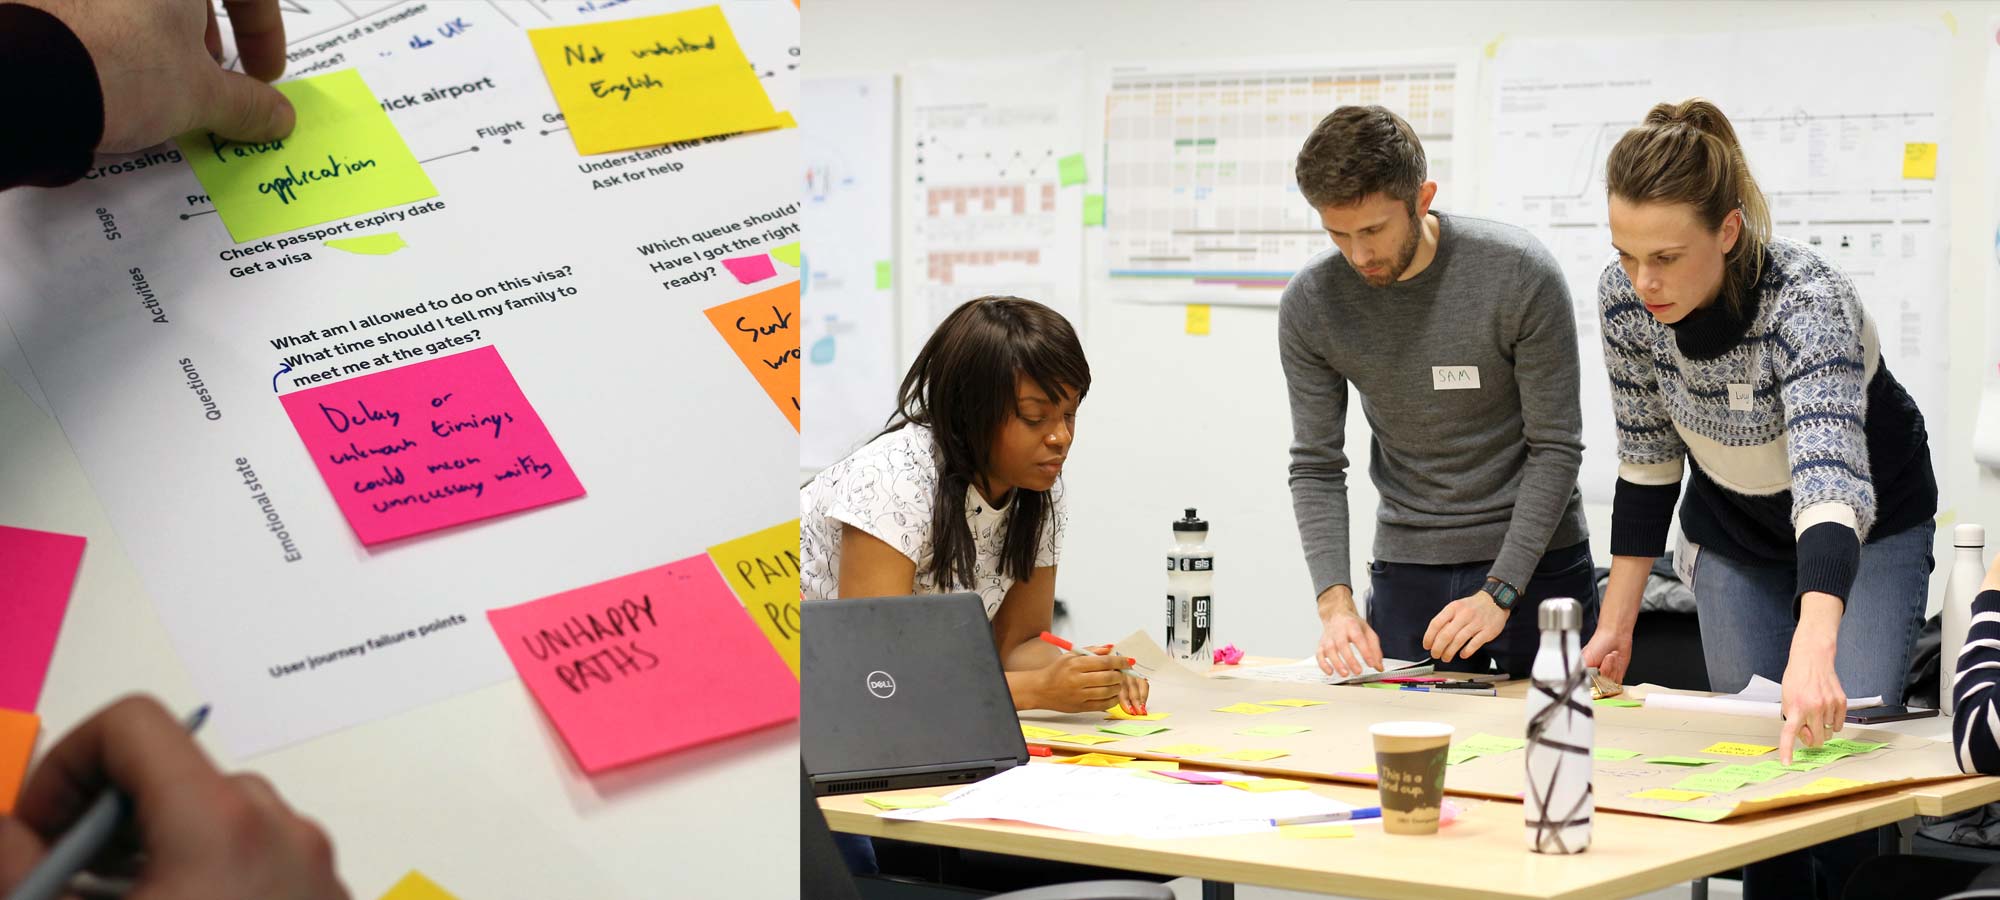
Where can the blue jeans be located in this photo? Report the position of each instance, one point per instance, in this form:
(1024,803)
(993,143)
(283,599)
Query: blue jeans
(1746,615)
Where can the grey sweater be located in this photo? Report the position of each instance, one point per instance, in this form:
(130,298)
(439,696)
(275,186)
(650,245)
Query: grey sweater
(1466,474)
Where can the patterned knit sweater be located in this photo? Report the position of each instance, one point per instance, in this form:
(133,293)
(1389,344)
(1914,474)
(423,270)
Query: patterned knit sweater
(1804,445)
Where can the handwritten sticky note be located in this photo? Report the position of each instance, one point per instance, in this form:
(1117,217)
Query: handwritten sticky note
(1268,785)
(1920,161)
(1133,729)
(1186,750)
(37,569)
(646,664)
(1699,813)
(1255,755)
(787,254)
(432,444)
(1037,732)
(1197,323)
(750,269)
(414,886)
(1855,746)
(1292,702)
(1488,743)
(652,80)
(17,744)
(885,275)
(1818,754)
(1610,755)
(1119,712)
(344,158)
(910,801)
(759,329)
(1069,169)
(1617,701)
(1151,765)
(1316,831)
(1803,766)
(763,569)
(1093,210)
(1675,795)
(369,244)
(1729,748)
(1276,730)
(1679,760)
(1248,709)
(1088,740)
(1751,774)
(1709,782)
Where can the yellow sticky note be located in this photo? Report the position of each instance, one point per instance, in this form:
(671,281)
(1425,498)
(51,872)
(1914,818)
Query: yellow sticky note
(1267,785)
(1729,748)
(1086,739)
(1255,755)
(1107,760)
(1825,785)
(370,244)
(1668,794)
(909,801)
(17,743)
(415,886)
(652,80)
(1151,765)
(1184,749)
(1197,318)
(1118,712)
(763,569)
(1293,702)
(1699,813)
(1244,708)
(1920,161)
(1036,731)
(1316,831)
(344,158)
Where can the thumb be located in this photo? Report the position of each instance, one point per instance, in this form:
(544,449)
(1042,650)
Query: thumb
(242,108)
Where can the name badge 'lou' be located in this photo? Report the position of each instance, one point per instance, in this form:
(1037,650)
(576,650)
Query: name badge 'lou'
(1739,398)
(1454,378)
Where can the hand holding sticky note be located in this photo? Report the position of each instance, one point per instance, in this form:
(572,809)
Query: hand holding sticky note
(649,663)
(343,158)
(652,80)
(430,445)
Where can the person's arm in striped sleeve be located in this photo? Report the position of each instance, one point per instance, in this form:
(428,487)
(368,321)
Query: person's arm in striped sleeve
(1975,729)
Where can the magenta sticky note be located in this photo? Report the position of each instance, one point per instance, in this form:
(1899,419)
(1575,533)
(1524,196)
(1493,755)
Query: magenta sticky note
(37,569)
(750,269)
(1194,777)
(429,445)
(647,663)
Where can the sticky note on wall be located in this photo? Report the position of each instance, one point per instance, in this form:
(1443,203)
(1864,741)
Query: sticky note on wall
(37,571)
(652,80)
(1920,161)
(429,445)
(763,569)
(759,329)
(343,158)
(646,664)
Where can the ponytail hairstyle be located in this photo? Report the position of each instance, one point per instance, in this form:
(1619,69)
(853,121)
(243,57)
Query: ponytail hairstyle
(1687,152)
(962,387)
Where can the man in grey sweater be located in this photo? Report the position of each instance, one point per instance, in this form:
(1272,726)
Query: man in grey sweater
(1459,337)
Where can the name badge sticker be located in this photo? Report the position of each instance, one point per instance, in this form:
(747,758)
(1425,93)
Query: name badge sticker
(1454,378)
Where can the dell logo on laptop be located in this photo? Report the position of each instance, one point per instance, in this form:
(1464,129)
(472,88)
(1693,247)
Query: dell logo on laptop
(881,684)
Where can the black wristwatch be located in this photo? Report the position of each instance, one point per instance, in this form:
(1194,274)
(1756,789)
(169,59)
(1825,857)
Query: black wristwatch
(1503,594)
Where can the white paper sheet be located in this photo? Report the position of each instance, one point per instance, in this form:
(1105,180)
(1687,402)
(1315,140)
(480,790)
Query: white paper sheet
(1101,800)
(1307,671)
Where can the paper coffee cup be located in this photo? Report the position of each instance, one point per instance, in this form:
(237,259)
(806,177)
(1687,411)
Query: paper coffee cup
(1409,768)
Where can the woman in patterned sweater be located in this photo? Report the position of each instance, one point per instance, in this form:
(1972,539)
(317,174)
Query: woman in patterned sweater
(1807,519)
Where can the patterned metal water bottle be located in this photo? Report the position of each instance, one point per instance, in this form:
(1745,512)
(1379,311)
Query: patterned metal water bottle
(1561,731)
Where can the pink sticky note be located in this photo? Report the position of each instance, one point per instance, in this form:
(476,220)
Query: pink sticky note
(1194,777)
(750,269)
(430,445)
(647,664)
(37,569)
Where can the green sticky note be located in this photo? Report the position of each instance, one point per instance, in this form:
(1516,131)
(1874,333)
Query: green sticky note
(1852,746)
(1457,755)
(1802,766)
(1709,783)
(1617,701)
(1276,730)
(912,801)
(370,244)
(1070,169)
(787,254)
(1757,774)
(1093,209)
(1383,687)
(1133,729)
(1488,743)
(1698,813)
(1679,760)
(1818,754)
(343,159)
(1610,755)
(885,273)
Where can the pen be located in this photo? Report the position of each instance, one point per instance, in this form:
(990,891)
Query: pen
(1366,812)
(1071,648)
(84,839)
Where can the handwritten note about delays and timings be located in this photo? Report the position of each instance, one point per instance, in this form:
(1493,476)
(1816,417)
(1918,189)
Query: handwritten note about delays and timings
(426,446)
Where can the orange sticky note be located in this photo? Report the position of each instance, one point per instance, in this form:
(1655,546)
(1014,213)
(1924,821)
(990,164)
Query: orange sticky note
(759,329)
(37,570)
(17,743)
(763,569)
(415,886)
(646,664)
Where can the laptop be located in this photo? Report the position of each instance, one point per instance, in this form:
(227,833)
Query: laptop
(902,692)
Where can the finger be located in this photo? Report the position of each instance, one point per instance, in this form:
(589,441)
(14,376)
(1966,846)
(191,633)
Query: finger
(134,744)
(1350,664)
(1437,624)
(1374,646)
(1106,695)
(20,849)
(1144,688)
(1785,739)
(1097,663)
(1100,649)
(1449,642)
(1110,679)
(260,36)
(1840,711)
(244,109)
(212,37)
(1323,658)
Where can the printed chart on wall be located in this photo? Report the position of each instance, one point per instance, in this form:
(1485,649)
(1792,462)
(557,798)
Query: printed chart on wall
(1848,156)
(1201,202)
(848,331)
(335,426)
(993,175)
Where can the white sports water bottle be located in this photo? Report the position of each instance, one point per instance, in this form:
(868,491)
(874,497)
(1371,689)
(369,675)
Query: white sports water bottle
(1190,591)
(1561,731)
(1968,545)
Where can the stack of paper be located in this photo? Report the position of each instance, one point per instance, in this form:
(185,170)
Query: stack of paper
(1112,801)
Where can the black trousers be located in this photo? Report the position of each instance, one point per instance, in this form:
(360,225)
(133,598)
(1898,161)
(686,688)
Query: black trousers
(1404,597)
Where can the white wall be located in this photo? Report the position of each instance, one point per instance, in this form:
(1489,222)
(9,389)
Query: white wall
(1175,420)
